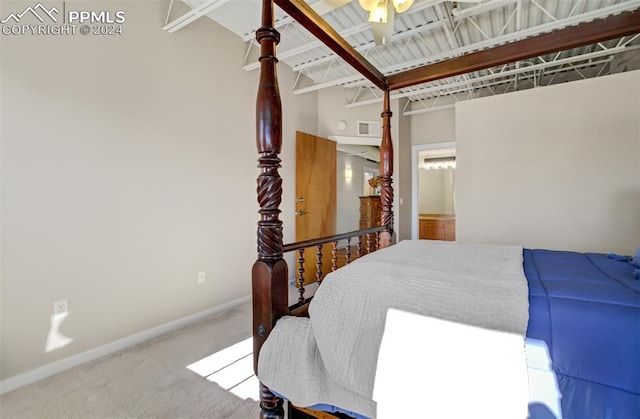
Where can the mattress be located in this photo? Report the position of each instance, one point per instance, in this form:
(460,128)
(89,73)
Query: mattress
(583,336)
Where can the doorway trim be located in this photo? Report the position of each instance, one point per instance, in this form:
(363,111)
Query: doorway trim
(415,154)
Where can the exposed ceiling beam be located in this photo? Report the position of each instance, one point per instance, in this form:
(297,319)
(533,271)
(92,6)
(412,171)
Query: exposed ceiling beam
(193,14)
(321,7)
(311,21)
(508,82)
(572,20)
(481,80)
(511,37)
(371,44)
(585,34)
(365,26)
(480,8)
(316,43)
(331,56)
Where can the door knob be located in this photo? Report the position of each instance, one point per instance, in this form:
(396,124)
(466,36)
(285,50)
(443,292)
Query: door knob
(301,212)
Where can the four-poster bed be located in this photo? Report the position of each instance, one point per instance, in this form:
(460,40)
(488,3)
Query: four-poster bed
(270,271)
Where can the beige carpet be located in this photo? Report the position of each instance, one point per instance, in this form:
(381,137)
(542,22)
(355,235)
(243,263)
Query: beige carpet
(150,380)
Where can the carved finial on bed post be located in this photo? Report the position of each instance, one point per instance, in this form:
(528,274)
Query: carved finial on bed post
(386,172)
(269,275)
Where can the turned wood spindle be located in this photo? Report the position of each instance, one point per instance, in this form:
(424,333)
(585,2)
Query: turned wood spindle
(319,263)
(270,405)
(301,275)
(334,256)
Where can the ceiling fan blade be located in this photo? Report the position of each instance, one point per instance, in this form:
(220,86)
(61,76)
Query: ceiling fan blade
(382,32)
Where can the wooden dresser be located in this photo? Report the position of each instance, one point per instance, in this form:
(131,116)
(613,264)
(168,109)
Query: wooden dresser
(370,211)
(437,227)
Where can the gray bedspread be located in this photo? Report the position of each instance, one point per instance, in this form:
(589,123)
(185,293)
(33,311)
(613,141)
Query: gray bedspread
(331,357)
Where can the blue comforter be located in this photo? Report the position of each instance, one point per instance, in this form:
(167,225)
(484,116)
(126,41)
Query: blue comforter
(586,307)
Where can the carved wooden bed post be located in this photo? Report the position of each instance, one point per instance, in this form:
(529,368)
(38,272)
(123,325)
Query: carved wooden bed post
(386,172)
(269,275)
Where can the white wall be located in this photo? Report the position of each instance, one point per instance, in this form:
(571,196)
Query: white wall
(128,165)
(402,169)
(435,191)
(433,127)
(554,167)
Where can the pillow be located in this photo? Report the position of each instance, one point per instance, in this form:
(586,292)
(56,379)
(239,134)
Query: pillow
(636,259)
(621,258)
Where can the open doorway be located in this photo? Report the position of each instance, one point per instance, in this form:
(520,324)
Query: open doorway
(433,186)
(358,162)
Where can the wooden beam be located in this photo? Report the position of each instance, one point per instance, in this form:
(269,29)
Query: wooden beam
(314,23)
(573,37)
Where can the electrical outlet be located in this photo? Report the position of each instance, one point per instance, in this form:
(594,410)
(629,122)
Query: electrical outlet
(201,277)
(60,308)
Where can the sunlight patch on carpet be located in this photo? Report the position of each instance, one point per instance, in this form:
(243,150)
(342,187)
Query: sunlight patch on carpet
(232,369)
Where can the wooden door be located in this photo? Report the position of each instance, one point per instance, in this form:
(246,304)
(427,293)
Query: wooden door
(315,198)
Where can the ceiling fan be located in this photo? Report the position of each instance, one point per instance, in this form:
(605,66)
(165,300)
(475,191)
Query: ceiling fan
(382,14)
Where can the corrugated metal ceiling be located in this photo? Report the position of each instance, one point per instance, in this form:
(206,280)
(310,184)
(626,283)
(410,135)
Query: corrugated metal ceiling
(431,31)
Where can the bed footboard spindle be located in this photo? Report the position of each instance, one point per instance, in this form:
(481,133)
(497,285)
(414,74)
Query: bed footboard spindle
(334,256)
(338,260)
(319,264)
(270,404)
(347,251)
(301,275)
(269,274)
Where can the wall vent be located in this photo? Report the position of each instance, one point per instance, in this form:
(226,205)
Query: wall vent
(369,129)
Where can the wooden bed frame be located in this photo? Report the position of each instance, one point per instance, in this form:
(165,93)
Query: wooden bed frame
(270,271)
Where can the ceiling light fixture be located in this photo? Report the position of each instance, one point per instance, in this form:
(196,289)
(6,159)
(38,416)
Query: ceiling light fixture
(382,14)
(379,9)
(379,13)
(439,163)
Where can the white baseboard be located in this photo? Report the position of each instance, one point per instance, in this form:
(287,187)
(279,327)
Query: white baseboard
(53,368)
